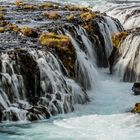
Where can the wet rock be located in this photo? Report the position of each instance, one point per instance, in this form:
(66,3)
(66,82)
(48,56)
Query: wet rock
(1,17)
(118,38)
(53,15)
(136,88)
(2,30)
(36,112)
(29,32)
(88,16)
(38,67)
(63,48)
(136,109)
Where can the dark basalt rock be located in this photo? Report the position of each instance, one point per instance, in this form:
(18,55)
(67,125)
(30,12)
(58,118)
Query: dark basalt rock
(136,88)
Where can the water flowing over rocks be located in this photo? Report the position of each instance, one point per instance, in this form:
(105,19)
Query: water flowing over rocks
(126,56)
(127,13)
(48,53)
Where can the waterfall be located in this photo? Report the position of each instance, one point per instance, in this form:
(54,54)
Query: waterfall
(127,13)
(36,81)
(54,92)
(127,64)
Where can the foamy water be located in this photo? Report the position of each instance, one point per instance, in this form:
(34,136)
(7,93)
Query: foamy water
(104,118)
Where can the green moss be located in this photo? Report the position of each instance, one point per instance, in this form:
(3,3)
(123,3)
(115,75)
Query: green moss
(2,9)
(88,16)
(29,32)
(76,8)
(53,15)
(52,39)
(136,108)
(12,27)
(47,5)
(63,47)
(19,3)
(70,17)
(1,17)
(29,7)
(2,30)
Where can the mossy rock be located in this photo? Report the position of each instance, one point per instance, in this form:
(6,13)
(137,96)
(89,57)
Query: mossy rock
(136,109)
(53,15)
(2,30)
(12,27)
(52,39)
(1,17)
(2,9)
(29,32)
(118,38)
(70,17)
(76,8)
(47,5)
(3,23)
(19,3)
(88,16)
(63,47)
(29,7)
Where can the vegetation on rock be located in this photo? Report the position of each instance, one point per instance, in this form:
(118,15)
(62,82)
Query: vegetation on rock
(63,47)
(118,38)
(52,39)
(12,27)
(2,9)
(70,17)
(88,16)
(52,15)
(26,31)
(2,29)
(136,109)
(1,17)
(47,5)
(19,3)
(76,8)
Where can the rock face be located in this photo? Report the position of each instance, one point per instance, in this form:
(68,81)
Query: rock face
(126,57)
(45,66)
(136,88)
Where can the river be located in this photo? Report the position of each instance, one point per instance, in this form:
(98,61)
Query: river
(105,117)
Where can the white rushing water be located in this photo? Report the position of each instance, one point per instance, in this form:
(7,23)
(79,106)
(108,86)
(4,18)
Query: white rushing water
(104,118)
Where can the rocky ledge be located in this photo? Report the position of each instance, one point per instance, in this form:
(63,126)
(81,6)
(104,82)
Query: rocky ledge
(40,75)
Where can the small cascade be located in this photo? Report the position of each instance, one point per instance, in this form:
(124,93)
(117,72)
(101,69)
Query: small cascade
(128,13)
(51,92)
(47,69)
(86,58)
(127,61)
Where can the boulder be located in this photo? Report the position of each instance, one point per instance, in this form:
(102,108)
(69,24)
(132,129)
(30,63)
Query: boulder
(136,109)
(136,88)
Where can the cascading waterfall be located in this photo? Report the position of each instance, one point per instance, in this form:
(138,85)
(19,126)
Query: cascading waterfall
(57,92)
(41,81)
(127,64)
(128,14)
(84,65)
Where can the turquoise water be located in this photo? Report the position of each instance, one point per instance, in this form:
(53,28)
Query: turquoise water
(104,118)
